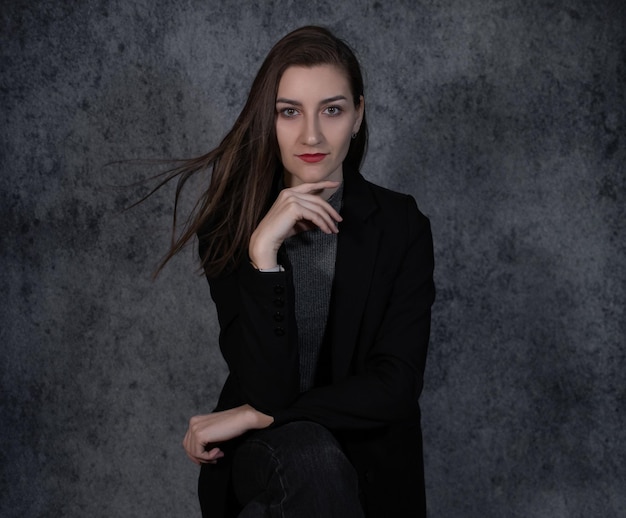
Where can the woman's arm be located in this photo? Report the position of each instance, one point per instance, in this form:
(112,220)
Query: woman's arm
(387,378)
(258,336)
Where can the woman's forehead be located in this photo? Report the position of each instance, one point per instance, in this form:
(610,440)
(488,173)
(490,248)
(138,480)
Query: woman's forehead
(322,81)
(319,76)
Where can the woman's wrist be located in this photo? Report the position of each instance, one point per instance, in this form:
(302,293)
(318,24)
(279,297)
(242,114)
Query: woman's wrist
(261,257)
(257,420)
(268,265)
(274,269)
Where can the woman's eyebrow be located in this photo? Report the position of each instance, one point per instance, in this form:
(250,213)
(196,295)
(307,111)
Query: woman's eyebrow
(323,101)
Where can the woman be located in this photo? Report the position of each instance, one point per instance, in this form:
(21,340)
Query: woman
(323,287)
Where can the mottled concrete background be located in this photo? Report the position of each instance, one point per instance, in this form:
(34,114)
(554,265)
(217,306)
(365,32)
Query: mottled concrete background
(505,119)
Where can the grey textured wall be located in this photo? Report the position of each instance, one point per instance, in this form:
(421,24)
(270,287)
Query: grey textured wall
(505,119)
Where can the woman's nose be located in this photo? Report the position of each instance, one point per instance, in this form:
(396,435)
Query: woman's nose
(312,134)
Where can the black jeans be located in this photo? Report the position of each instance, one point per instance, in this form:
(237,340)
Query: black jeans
(297,470)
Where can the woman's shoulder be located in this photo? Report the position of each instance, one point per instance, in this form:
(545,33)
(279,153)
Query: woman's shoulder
(394,203)
(388,195)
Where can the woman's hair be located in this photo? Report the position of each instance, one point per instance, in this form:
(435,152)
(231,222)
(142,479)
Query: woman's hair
(246,164)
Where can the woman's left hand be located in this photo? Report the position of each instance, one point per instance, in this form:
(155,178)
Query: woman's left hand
(206,432)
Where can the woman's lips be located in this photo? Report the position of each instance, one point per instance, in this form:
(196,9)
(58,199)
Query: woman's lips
(312,158)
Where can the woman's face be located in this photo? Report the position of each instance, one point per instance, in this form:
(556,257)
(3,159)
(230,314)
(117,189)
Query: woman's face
(315,120)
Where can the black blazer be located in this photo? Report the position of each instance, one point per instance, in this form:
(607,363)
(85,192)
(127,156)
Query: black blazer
(377,337)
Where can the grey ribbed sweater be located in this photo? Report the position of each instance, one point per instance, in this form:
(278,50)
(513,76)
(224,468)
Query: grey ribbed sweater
(312,256)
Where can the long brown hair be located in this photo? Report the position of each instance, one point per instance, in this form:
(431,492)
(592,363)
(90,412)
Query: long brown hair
(246,164)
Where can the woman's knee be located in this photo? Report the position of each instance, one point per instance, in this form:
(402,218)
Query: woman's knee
(298,467)
(303,449)
(314,449)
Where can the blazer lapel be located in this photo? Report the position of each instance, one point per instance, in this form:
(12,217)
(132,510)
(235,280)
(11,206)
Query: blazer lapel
(357,246)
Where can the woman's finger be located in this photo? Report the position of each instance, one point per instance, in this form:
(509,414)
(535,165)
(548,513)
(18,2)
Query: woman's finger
(320,202)
(315,187)
(313,211)
(301,206)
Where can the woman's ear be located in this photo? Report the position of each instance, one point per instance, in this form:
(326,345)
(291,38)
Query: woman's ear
(360,110)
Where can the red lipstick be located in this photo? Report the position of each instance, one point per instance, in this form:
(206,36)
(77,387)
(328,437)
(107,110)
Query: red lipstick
(312,158)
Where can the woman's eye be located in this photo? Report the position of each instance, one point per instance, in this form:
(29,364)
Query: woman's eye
(288,112)
(333,111)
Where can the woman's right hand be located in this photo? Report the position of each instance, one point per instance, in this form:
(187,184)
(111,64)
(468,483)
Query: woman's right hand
(296,209)
(206,432)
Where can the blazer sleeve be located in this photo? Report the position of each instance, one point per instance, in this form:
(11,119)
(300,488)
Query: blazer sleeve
(386,382)
(258,337)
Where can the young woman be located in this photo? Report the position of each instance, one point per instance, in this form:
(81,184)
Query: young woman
(323,284)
